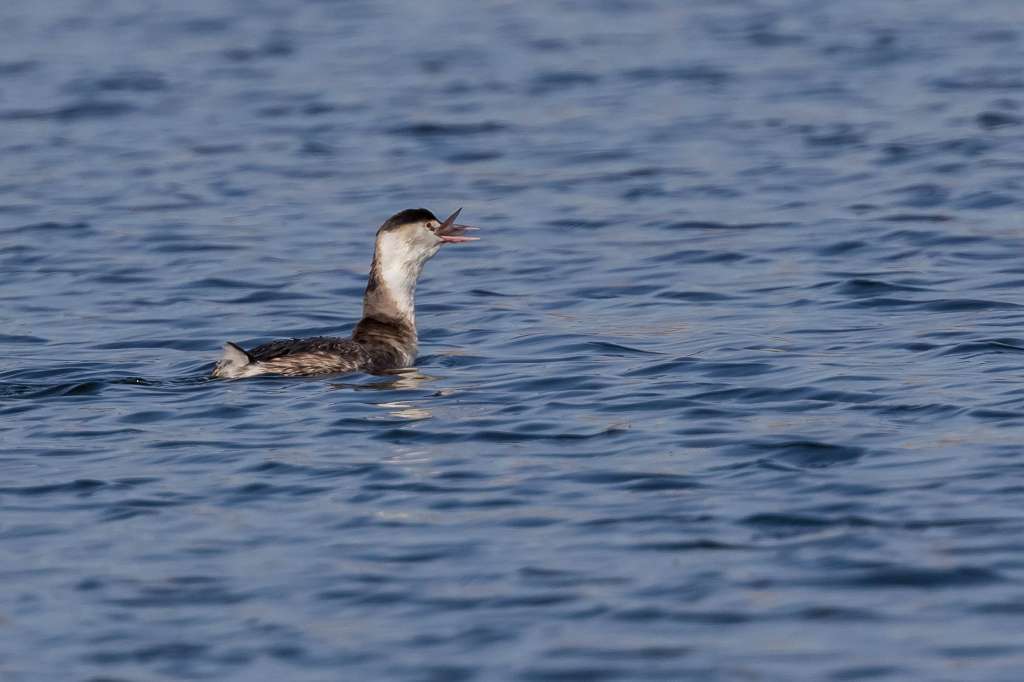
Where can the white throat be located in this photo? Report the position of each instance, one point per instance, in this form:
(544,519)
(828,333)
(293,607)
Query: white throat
(400,265)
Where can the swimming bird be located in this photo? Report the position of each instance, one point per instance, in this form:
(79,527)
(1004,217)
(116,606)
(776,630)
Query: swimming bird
(385,337)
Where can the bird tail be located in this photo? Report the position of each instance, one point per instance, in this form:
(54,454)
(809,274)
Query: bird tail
(233,362)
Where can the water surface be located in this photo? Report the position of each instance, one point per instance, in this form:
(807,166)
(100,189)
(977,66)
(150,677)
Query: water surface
(730,390)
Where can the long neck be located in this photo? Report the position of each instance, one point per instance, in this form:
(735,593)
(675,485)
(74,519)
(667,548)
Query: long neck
(391,288)
(388,327)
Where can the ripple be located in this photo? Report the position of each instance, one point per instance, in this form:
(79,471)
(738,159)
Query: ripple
(990,120)
(982,79)
(706,74)
(87,109)
(737,357)
(808,454)
(864,287)
(902,576)
(35,391)
(49,227)
(16,68)
(937,305)
(559,81)
(81,486)
(702,225)
(975,348)
(635,480)
(433,129)
(121,81)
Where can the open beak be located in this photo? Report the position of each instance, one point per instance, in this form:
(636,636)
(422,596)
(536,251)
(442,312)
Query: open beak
(452,233)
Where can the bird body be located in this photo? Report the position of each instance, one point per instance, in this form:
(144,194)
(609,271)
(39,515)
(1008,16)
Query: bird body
(385,337)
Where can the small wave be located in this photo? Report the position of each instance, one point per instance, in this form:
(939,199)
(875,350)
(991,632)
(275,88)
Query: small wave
(121,81)
(637,481)
(991,120)
(895,576)
(89,109)
(806,454)
(705,74)
(708,225)
(17,68)
(974,348)
(49,227)
(34,391)
(995,79)
(937,305)
(696,296)
(917,218)
(865,287)
(433,129)
(559,81)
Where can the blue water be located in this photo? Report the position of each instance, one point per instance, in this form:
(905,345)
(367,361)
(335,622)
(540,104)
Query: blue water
(731,389)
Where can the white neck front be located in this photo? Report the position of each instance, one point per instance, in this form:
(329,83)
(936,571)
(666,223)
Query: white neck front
(399,281)
(397,267)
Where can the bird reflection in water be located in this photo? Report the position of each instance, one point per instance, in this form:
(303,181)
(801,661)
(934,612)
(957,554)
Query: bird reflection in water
(396,380)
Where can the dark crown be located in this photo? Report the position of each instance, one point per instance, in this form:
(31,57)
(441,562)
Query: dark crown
(409,215)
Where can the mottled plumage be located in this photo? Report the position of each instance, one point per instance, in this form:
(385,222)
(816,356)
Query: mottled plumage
(385,337)
(305,357)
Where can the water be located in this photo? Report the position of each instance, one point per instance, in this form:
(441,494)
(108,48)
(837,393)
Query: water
(730,390)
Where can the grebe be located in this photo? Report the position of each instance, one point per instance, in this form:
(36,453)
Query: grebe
(386,336)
